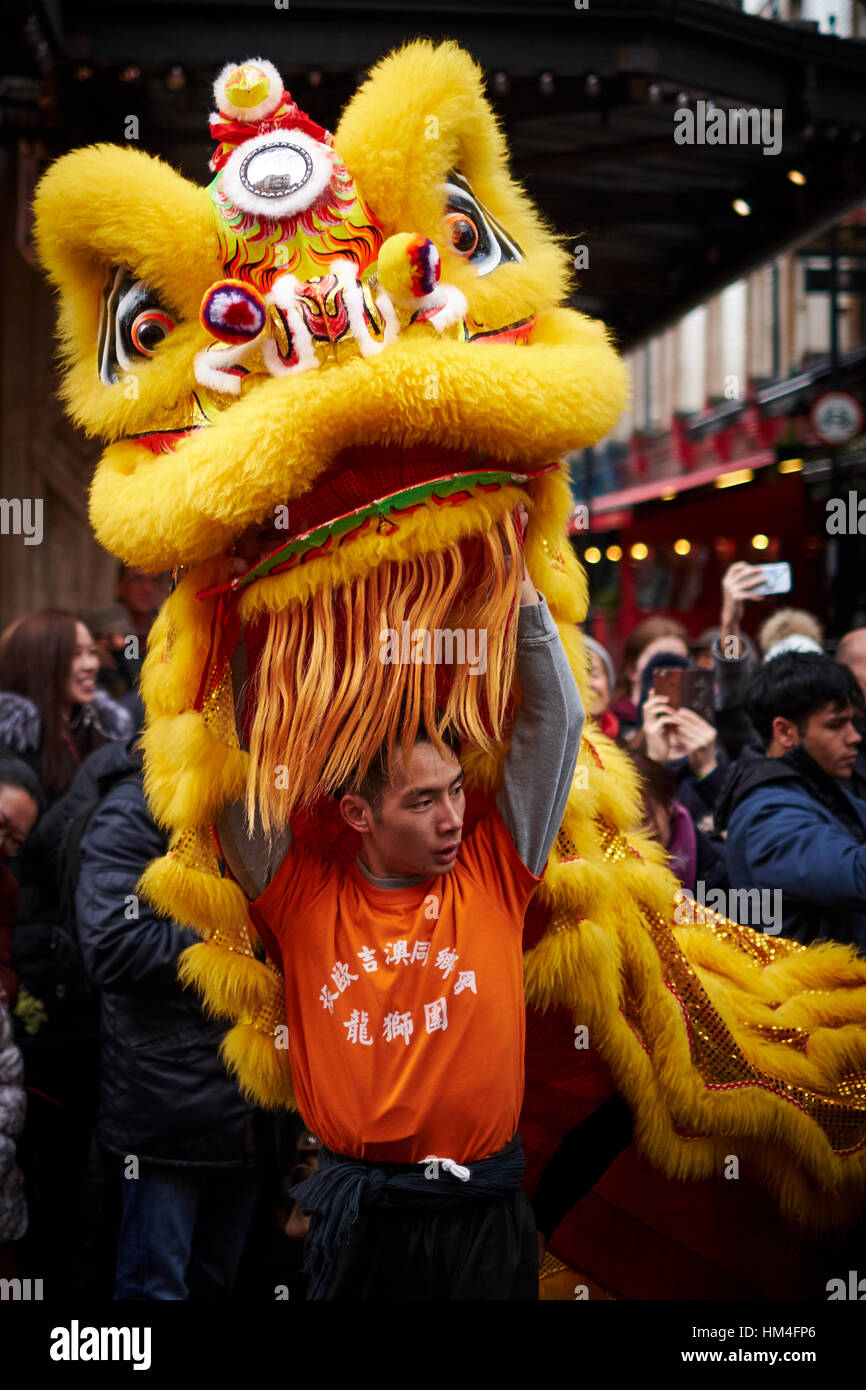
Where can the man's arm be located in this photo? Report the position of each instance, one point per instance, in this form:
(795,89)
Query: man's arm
(121,955)
(539,765)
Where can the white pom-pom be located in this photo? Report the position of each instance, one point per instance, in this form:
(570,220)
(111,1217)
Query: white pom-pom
(249,91)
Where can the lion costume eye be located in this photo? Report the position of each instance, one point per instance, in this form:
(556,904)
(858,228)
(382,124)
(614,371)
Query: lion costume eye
(148,330)
(474,232)
(132,323)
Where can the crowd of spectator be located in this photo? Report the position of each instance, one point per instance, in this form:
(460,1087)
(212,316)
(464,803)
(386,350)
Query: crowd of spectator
(764,793)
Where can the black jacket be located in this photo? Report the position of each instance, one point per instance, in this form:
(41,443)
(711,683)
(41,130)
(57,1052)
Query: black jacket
(164,1093)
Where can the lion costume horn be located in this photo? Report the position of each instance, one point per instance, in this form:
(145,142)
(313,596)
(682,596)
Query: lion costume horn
(324,384)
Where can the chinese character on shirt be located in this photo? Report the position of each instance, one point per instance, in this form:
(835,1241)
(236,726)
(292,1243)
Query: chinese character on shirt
(328,999)
(356,1026)
(367,957)
(397,951)
(398,1026)
(436,1015)
(445,961)
(465,980)
(419,951)
(341,977)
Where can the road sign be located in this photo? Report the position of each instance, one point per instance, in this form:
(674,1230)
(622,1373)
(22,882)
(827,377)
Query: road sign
(836,417)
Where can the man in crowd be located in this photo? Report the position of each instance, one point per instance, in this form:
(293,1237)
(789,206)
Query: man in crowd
(405,1005)
(851,651)
(187,1151)
(793,821)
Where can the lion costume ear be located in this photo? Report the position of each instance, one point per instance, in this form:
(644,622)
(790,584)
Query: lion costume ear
(105,207)
(420,116)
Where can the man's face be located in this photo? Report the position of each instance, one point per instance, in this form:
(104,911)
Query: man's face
(831,739)
(140,593)
(18,815)
(417,826)
(854,656)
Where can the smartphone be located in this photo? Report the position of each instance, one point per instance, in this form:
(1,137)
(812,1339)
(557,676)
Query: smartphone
(777,579)
(689,689)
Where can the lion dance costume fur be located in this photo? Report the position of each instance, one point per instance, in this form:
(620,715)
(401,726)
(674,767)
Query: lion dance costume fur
(324,384)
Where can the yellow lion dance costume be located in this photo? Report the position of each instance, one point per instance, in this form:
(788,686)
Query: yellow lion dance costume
(324,384)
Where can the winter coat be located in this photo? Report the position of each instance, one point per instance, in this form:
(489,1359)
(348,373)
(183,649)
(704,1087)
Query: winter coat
(793,827)
(8,907)
(13,1104)
(55,1025)
(164,1093)
(100,720)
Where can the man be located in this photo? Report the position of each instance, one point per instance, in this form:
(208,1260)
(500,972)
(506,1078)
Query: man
(185,1154)
(851,651)
(793,822)
(405,1006)
(139,596)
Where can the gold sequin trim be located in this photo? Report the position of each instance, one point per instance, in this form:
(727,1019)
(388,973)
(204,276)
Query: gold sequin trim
(566,848)
(218,707)
(271,1014)
(240,944)
(614,846)
(723,1065)
(195,849)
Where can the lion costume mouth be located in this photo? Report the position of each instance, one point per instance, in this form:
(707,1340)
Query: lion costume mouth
(364,491)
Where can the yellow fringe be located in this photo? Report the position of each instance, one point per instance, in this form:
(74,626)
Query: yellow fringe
(324,699)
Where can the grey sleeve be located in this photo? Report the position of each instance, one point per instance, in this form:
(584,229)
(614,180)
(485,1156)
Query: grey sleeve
(545,741)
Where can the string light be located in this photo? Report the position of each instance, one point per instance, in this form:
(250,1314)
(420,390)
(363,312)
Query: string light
(741,207)
(760,542)
(791,466)
(639,551)
(614,553)
(797,177)
(682,547)
(734,478)
(593,555)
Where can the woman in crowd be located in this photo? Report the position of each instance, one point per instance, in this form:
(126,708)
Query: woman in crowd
(643,642)
(51,712)
(51,716)
(601,683)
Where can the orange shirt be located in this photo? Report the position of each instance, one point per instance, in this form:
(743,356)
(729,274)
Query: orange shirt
(405,1006)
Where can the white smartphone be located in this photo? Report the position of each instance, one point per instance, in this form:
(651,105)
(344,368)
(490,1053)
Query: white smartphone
(777,579)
